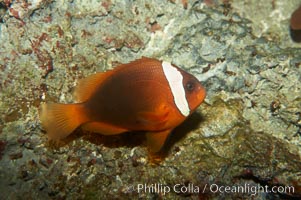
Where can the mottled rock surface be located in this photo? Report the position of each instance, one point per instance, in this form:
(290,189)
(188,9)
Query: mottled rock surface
(247,134)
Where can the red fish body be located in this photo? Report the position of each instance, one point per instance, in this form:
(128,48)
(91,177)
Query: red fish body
(144,95)
(295,22)
(295,25)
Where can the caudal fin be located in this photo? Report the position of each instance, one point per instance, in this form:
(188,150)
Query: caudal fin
(60,120)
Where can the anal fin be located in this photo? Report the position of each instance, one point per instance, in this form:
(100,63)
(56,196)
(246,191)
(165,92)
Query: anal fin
(103,128)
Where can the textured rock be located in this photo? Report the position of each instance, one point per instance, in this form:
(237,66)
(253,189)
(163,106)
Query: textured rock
(247,133)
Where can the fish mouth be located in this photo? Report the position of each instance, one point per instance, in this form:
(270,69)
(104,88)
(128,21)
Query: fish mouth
(202,94)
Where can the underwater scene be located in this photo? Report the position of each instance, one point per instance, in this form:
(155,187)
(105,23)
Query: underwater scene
(161,99)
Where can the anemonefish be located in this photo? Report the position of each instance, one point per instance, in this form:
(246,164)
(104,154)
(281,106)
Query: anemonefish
(296,19)
(144,95)
(295,25)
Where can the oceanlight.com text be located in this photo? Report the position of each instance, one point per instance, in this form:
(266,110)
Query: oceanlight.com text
(212,188)
(250,189)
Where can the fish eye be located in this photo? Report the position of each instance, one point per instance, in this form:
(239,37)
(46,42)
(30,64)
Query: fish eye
(190,86)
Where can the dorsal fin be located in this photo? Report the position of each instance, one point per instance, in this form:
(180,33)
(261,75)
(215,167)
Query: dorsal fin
(143,60)
(87,86)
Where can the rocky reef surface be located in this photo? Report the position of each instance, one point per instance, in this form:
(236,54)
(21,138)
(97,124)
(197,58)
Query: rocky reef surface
(245,136)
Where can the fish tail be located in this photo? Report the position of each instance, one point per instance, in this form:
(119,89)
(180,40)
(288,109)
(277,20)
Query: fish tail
(60,120)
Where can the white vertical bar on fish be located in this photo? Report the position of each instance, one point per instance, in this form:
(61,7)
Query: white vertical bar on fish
(175,81)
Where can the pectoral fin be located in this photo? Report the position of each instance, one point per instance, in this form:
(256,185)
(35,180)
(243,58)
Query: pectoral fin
(152,117)
(156,140)
(156,119)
